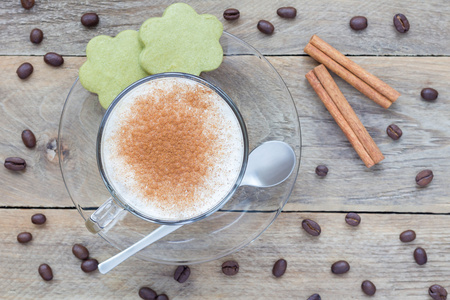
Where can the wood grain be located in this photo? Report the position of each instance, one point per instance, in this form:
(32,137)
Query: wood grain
(63,32)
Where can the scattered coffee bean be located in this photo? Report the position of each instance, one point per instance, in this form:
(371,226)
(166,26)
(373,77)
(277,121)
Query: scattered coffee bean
(230,268)
(24,237)
(162,297)
(368,287)
(420,256)
(401,23)
(36,36)
(231,14)
(315,297)
(407,236)
(394,132)
(340,267)
(321,170)
(182,274)
(53,59)
(147,293)
(38,219)
(89,265)
(28,138)
(279,268)
(358,23)
(424,177)
(287,12)
(27,4)
(437,292)
(90,19)
(46,272)
(429,94)
(80,251)
(15,164)
(352,219)
(265,27)
(24,70)
(311,227)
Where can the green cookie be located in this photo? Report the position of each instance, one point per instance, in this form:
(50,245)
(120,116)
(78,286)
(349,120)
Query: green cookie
(112,65)
(181,41)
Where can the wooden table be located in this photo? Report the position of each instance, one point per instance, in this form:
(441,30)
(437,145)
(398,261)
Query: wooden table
(386,195)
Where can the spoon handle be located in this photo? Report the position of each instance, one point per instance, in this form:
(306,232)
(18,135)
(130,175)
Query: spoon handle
(157,234)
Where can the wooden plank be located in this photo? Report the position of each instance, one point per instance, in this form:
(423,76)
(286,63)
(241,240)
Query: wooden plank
(63,32)
(373,250)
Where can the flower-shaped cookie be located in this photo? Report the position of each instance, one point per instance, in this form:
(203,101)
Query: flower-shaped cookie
(112,64)
(181,41)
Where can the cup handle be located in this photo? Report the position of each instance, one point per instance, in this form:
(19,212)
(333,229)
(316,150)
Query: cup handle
(103,216)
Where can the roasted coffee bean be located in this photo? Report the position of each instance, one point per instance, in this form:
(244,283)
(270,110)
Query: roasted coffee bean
(38,219)
(407,236)
(53,59)
(182,274)
(24,70)
(368,288)
(279,268)
(147,293)
(394,132)
(24,237)
(352,219)
(358,23)
(315,297)
(162,297)
(90,19)
(80,251)
(423,178)
(89,265)
(429,94)
(437,292)
(230,268)
(340,267)
(231,14)
(27,4)
(28,138)
(287,12)
(265,27)
(420,256)
(321,171)
(311,227)
(15,164)
(46,272)
(401,23)
(36,36)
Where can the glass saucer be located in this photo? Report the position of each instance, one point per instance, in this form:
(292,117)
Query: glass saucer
(269,114)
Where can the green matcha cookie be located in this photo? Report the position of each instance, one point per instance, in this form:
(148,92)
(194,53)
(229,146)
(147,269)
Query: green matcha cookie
(112,65)
(181,41)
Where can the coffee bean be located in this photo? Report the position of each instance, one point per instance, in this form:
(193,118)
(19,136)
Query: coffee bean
(368,288)
(407,236)
(24,237)
(315,297)
(420,256)
(147,293)
(90,19)
(311,227)
(321,171)
(279,268)
(358,23)
(437,292)
(423,178)
(162,297)
(231,14)
(28,138)
(46,272)
(401,23)
(340,267)
(24,70)
(394,132)
(89,265)
(182,274)
(352,219)
(36,36)
(15,164)
(53,59)
(265,27)
(429,94)
(230,268)
(38,219)
(27,4)
(288,12)
(80,251)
